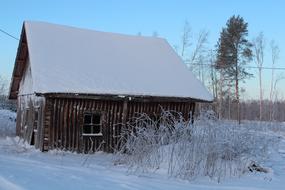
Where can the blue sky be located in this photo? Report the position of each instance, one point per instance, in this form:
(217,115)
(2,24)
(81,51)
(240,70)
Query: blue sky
(162,16)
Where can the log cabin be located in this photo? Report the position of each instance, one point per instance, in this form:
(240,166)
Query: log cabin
(75,88)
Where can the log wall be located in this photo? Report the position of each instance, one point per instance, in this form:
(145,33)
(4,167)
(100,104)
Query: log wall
(63,124)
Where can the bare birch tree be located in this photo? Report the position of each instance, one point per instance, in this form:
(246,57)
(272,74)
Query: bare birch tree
(194,58)
(275,95)
(200,46)
(258,50)
(274,57)
(185,38)
(197,59)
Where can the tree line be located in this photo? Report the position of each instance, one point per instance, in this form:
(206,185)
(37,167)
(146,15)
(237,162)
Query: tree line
(224,67)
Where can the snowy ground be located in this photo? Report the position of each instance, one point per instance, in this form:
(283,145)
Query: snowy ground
(23,167)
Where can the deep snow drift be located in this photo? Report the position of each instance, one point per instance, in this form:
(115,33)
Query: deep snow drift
(22,167)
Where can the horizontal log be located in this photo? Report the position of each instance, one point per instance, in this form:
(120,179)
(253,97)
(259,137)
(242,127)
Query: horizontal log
(119,97)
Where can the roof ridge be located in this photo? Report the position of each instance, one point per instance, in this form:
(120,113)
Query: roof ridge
(27,22)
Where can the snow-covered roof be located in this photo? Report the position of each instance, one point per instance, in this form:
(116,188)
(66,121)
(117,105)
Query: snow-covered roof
(65,59)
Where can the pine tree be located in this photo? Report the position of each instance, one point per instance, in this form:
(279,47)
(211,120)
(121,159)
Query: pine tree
(233,52)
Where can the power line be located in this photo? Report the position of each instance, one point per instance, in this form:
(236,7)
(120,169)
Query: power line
(8,34)
(249,67)
(276,68)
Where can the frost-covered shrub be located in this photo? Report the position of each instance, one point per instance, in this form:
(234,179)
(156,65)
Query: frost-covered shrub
(7,104)
(207,147)
(7,123)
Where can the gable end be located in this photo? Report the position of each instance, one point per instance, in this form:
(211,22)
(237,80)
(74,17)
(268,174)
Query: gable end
(19,66)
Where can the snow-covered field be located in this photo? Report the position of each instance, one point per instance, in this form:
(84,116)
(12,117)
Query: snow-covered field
(23,167)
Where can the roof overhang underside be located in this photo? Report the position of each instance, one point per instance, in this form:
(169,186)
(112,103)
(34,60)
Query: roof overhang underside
(120,97)
(19,67)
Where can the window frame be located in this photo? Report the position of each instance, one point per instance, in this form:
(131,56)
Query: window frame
(92,125)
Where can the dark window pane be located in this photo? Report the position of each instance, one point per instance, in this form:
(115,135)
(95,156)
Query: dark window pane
(87,118)
(87,129)
(92,123)
(96,119)
(96,129)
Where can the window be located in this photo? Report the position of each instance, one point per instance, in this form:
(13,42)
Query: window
(92,124)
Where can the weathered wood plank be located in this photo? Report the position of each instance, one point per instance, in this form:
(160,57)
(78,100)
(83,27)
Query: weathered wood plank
(64,120)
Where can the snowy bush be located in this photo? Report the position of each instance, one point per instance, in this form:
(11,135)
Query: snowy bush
(7,123)
(7,104)
(208,147)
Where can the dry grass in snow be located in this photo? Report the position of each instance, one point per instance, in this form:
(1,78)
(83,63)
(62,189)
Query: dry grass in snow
(207,147)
